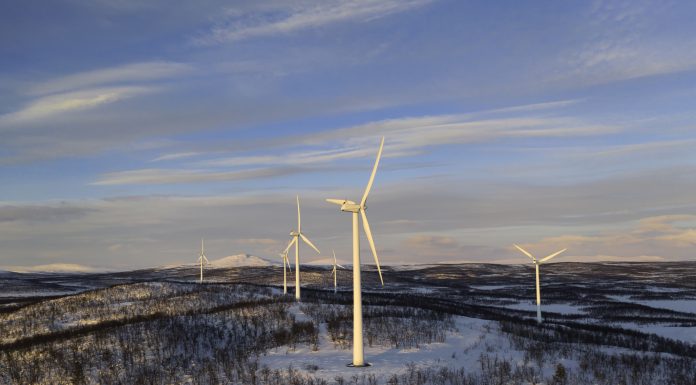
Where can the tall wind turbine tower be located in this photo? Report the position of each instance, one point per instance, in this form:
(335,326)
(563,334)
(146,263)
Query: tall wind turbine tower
(536,265)
(359,209)
(202,259)
(295,240)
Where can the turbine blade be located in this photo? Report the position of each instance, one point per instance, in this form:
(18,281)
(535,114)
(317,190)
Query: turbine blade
(368,232)
(299,224)
(206,259)
(372,176)
(336,201)
(342,267)
(307,241)
(292,241)
(525,252)
(334,254)
(552,255)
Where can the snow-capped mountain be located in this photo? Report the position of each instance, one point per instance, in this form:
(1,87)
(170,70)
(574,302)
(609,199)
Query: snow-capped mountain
(240,260)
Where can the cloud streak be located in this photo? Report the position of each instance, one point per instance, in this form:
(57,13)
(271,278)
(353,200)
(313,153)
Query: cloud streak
(169,176)
(303,17)
(411,135)
(125,74)
(51,106)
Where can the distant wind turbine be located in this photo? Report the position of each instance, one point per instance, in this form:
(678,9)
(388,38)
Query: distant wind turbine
(334,271)
(202,259)
(295,236)
(536,264)
(286,266)
(355,209)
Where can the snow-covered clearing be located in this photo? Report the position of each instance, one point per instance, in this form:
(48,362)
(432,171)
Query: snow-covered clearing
(461,349)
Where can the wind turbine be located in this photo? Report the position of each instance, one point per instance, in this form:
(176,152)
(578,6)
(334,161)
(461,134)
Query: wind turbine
(202,259)
(355,208)
(286,266)
(334,271)
(295,240)
(536,264)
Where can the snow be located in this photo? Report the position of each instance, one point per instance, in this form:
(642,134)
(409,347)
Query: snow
(34,293)
(54,268)
(489,287)
(461,349)
(239,260)
(681,305)
(681,333)
(561,308)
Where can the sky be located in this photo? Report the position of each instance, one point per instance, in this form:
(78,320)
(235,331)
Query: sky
(130,129)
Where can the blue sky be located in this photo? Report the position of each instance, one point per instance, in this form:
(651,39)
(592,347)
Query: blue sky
(130,129)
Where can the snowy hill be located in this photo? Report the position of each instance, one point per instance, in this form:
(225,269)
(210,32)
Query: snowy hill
(53,268)
(240,260)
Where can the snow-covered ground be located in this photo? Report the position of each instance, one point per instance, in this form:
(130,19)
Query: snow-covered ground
(461,349)
(686,306)
(561,308)
(681,305)
(681,333)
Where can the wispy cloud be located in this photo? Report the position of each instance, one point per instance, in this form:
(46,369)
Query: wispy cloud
(412,135)
(407,136)
(302,17)
(125,74)
(168,176)
(626,40)
(91,89)
(175,156)
(54,105)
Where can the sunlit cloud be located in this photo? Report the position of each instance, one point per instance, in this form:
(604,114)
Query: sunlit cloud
(50,106)
(130,73)
(659,237)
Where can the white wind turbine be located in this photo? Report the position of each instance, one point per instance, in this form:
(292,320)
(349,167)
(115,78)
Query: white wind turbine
(295,240)
(536,264)
(334,272)
(286,266)
(355,209)
(202,259)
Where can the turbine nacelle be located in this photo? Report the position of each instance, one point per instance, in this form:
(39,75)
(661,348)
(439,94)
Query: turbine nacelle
(346,205)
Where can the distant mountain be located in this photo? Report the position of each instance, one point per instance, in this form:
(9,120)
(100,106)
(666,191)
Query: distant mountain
(240,260)
(53,268)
